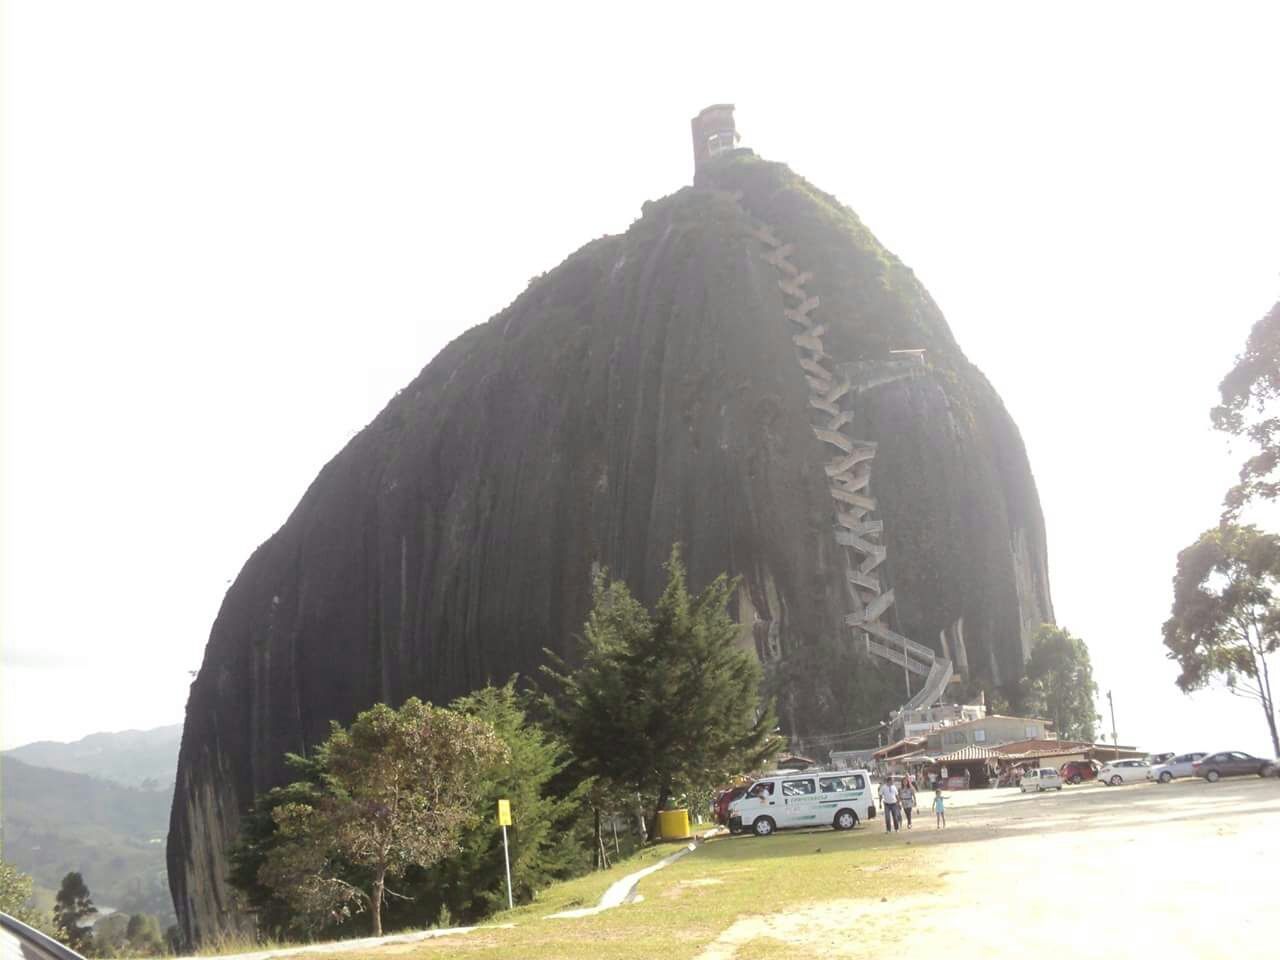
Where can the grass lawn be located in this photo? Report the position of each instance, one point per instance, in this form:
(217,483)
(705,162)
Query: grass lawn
(688,904)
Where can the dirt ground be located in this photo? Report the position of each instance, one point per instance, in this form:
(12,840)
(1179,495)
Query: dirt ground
(1184,870)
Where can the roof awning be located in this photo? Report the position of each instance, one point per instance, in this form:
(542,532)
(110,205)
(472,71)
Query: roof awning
(969,753)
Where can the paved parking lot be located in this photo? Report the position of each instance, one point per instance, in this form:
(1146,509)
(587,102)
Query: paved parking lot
(1184,870)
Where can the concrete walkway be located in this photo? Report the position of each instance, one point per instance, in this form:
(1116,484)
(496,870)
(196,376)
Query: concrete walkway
(624,890)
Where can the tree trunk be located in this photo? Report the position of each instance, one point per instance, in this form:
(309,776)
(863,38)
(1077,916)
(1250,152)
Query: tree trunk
(375,900)
(599,843)
(1268,704)
(1269,708)
(1271,722)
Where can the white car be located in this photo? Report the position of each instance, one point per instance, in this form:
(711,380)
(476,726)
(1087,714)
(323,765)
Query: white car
(1045,778)
(1125,771)
(1183,765)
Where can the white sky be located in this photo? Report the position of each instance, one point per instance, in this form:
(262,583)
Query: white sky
(232,230)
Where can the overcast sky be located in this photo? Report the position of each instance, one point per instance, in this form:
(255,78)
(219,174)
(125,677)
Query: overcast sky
(232,230)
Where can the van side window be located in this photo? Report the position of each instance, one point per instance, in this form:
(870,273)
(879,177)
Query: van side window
(851,781)
(762,789)
(797,788)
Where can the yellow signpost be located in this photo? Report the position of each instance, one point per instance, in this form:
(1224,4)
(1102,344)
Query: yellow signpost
(504,820)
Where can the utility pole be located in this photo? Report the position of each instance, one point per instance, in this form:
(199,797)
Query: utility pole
(1115,741)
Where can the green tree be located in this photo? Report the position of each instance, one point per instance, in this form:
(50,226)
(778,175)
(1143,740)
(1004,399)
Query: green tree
(1250,408)
(72,905)
(1059,683)
(397,789)
(1225,619)
(109,937)
(273,913)
(15,897)
(545,836)
(664,702)
(143,935)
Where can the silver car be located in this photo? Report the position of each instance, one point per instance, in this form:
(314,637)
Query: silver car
(1183,765)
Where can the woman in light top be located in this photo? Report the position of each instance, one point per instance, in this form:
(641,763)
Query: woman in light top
(907,797)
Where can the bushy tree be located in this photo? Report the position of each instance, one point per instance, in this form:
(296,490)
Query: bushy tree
(109,939)
(397,790)
(15,897)
(664,702)
(1250,409)
(1225,621)
(1059,683)
(546,833)
(546,838)
(143,935)
(72,905)
(275,917)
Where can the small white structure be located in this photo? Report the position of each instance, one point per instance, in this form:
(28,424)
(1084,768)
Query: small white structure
(915,354)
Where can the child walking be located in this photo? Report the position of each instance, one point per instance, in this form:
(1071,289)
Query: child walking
(939,809)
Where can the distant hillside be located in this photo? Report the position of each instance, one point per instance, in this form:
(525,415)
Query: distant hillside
(56,821)
(135,758)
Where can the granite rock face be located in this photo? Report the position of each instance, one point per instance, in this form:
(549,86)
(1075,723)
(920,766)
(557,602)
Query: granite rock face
(644,392)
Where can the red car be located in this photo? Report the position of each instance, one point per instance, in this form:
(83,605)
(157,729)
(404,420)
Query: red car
(725,798)
(1077,771)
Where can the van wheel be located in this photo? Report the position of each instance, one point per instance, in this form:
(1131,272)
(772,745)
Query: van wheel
(763,826)
(845,820)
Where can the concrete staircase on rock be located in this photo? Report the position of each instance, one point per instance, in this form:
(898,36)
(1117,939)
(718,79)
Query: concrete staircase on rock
(831,390)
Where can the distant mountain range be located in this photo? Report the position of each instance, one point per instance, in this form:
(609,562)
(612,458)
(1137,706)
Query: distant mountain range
(99,806)
(134,758)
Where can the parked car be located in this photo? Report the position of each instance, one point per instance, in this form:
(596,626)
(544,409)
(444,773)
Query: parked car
(1124,771)
(1077,771)
(1233,763)
(726,797)
(804,800)
(1182,765)
(1044,778)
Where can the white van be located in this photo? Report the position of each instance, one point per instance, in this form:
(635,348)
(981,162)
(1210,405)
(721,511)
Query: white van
(803,800)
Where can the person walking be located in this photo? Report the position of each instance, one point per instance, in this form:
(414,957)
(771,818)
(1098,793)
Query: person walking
(939,811)
(889,800)
(907,797)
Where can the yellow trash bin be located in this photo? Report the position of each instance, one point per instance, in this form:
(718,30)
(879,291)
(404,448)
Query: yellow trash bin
(674,825)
